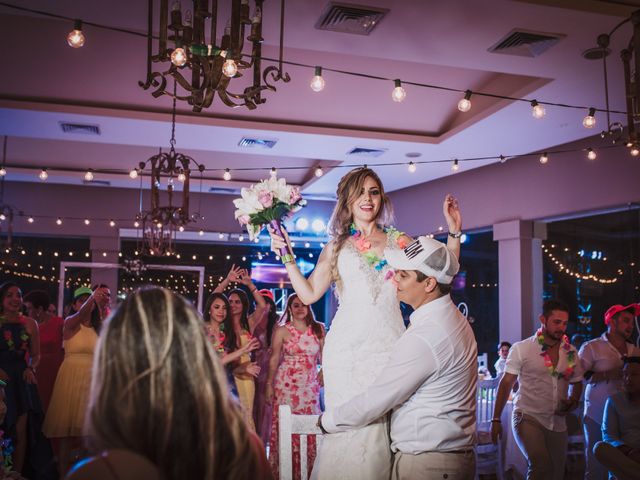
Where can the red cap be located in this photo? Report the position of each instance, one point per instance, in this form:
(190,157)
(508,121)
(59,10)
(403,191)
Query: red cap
(634,307)
(265,292)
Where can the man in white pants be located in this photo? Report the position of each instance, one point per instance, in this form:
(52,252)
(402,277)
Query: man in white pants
(430,379)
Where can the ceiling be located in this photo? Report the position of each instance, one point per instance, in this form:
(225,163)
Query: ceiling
(441,43)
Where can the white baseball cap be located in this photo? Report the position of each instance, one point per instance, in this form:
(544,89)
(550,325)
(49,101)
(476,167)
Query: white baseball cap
(425,255)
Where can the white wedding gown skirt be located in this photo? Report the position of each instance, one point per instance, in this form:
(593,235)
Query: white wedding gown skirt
(366,326)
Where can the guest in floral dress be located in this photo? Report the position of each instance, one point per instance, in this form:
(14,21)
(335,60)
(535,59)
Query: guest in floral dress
(297,346)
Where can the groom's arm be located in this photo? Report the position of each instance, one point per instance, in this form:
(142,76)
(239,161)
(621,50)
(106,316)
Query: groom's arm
(411,363)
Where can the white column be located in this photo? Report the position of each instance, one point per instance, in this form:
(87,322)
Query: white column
(520,277)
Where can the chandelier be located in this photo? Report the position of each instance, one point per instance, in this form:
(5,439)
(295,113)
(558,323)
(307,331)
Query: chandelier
(630,57)
(161,222)
(202,66)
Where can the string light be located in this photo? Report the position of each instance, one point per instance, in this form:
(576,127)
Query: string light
(590,120)
(274,171)
(591,154)
(201,232)
(136,224)
(58,221)
(181,228)
(455,167)
(319,172)
(411,167)
(87,221)
(544,158)
(179,57)
(634,151)
(134,173)
(3,171)
(43,174)
(229,69)
(537,110)
(317,82)
(182,177)
(112,223)
(3,216)
(464,105)
(227,174)
(88,176)
(241,238)
(75,38)
(398,94)
(30,220)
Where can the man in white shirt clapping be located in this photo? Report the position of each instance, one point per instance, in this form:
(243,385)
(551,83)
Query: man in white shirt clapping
(544,365)
(430,379)
(602,361)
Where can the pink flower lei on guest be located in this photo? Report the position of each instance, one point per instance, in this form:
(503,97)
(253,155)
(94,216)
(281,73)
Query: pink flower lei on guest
(566,346)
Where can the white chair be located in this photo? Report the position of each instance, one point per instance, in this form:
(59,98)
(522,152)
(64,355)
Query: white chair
(290,424)
(488,455)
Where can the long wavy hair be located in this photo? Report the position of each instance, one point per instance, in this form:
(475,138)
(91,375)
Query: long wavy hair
(272,318)
(348,191)
(227,324)
(159,390)
(316,327)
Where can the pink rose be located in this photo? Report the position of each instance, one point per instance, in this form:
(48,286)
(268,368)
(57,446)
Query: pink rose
(243,219)
(294,195)
(265,198)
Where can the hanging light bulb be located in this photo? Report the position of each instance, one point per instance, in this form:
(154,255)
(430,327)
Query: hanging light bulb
(30,220)
(43,174)
(227,174)
(88,176)
(241,238)
(544,158)
(112,223)
(87,221)
(591,154)
(75,38)
(537,110)
(201,232)
(274,171)
(317,82)
(411,167)
(179,57)
(229,68)
(58,221)
(464,105)
(398,93)
(134,173)
(136,224)
(319,172)
(182,177)
(3,216)
(590,120)
(3,171)
(181,228)
(455,167)
(635,151)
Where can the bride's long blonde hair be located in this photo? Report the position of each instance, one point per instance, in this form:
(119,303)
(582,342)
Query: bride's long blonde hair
(349,189)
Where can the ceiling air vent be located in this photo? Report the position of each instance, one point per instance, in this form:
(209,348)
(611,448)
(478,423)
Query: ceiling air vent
(348,18)
(366,152)
(526,43)
(257,143)
(101,183)
(223,191)
(82,128)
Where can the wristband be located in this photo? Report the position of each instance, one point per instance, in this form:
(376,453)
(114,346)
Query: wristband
(288,258)
(496,420)
(455,235)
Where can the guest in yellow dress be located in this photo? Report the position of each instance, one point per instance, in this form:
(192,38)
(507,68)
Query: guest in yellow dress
(65,417)
(242,333)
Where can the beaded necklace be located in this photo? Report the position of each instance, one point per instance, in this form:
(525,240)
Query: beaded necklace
(566,346)
(363,245)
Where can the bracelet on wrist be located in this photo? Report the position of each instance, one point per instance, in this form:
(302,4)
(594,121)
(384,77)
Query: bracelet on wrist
(288,258)
(455,235)
(496,420)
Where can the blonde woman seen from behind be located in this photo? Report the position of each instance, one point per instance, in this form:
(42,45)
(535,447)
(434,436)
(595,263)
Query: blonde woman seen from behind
(159,400)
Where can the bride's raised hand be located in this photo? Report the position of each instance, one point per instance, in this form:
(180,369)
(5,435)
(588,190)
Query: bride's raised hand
(452,215)
(234,274)
(278,242)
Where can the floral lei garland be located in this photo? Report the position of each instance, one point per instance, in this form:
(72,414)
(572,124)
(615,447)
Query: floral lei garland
(364,246)
(566,346)
(217,341)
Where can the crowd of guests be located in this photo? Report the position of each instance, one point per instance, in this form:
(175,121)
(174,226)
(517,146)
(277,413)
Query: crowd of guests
(550,373)
(81,382)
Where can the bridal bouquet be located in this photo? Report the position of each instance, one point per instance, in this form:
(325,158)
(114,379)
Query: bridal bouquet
(268,203)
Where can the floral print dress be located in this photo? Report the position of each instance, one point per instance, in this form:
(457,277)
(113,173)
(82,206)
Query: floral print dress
(296,384)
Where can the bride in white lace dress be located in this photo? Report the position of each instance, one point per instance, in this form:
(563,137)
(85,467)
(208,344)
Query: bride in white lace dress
(368,320)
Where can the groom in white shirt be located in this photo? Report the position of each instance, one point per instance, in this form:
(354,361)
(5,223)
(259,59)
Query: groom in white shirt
(430,379)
